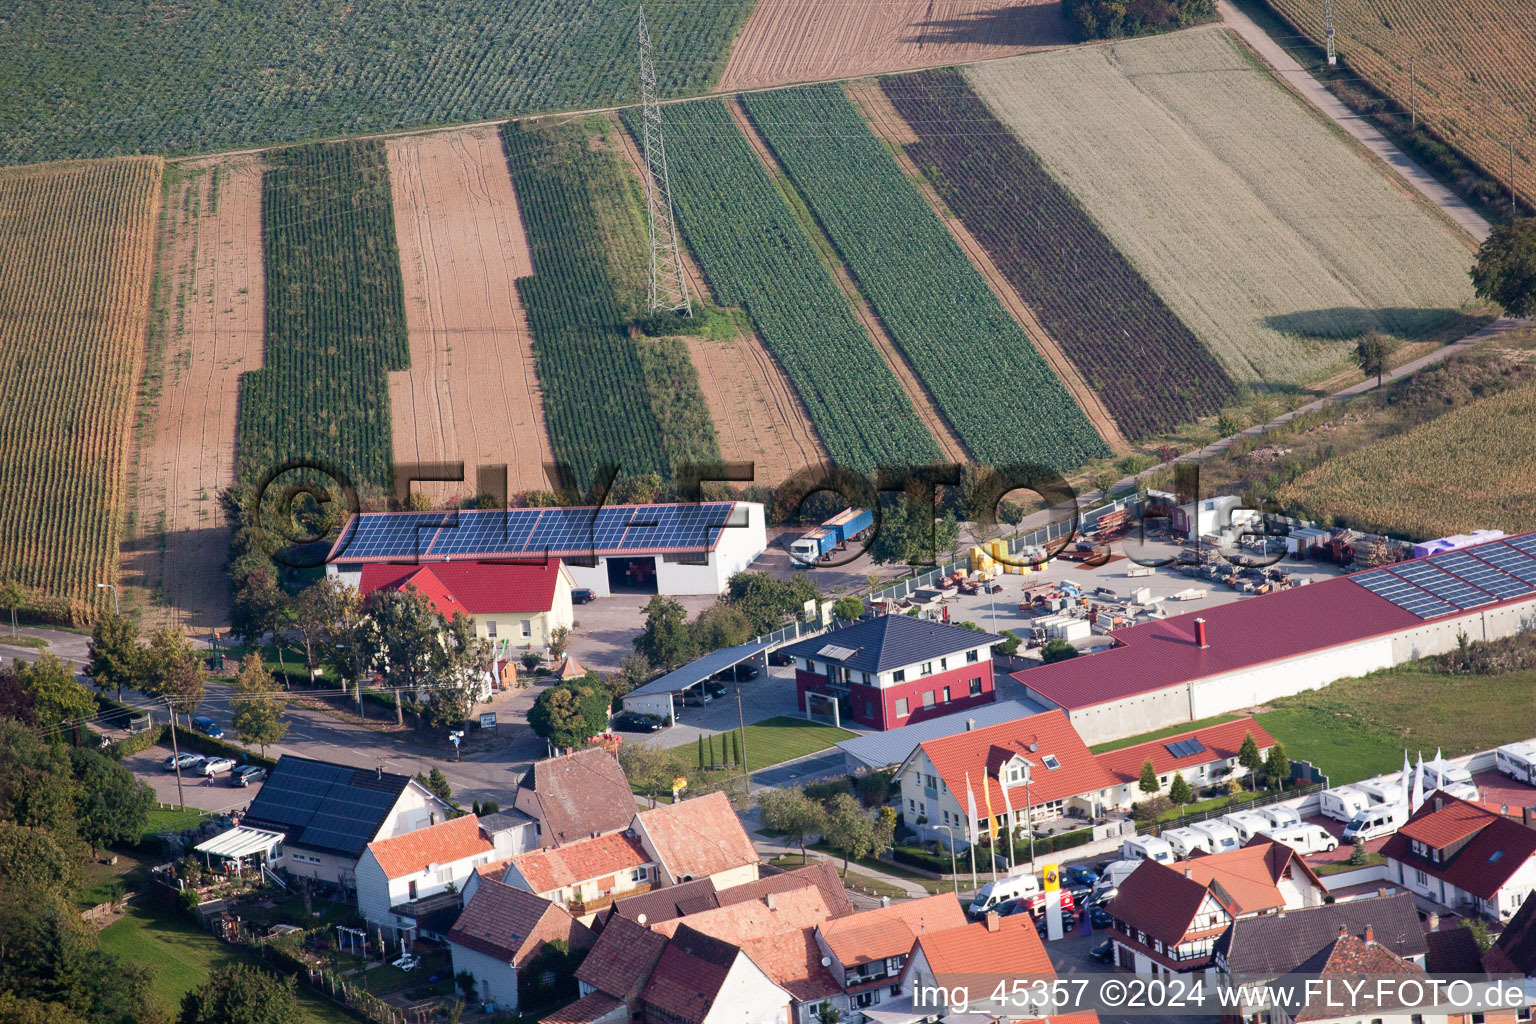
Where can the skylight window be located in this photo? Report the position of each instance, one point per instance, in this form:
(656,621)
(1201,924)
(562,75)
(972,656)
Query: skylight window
(1493,858)
(1051,762)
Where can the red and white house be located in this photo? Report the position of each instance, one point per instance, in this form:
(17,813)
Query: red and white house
(894,670)
(1465,856)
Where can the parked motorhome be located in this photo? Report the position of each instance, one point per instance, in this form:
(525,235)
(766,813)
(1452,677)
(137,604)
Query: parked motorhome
(1376,822)
(1305,839)
(1223,837)
(1280,815)
(1452,778)
(1517,760)
(1146,848)
(1248,823)
(1342,803)
(1186,841)
(1383,791)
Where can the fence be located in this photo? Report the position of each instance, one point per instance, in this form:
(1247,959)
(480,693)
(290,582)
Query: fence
(1261,800)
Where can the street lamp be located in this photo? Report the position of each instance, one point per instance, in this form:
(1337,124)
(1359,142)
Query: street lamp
(954,875)
(456,736)
(112,587)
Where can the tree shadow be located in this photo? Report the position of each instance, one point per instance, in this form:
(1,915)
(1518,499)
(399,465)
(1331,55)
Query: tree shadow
(1342,323)
(1007,25)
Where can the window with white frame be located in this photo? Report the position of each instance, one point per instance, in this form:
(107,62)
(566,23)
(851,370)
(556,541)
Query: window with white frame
(943,664)
(527,626)
(490,628)
(640,874)
(927,669)
(1050,762)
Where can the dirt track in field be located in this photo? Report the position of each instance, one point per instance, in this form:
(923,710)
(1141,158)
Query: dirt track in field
(212,293)
(927,409)
(890,127)
(787,41)
(471,394)
(758,417)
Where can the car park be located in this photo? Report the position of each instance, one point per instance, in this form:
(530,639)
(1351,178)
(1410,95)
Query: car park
(185,762)
(216,766)
(582,595)
(630,721)
(248,775)
(208,727)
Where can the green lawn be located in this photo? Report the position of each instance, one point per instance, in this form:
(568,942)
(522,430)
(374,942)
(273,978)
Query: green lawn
(1206,805)
(1338,867)
(387,978)
(179,957)
(173,819)
(101,883)
(1359,727)
(1157,734)
(776,740)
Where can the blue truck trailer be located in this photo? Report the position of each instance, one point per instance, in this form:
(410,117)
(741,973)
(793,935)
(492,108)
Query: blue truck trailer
(836,532)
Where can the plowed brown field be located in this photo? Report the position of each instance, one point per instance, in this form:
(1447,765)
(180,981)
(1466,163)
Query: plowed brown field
(471,394)
(211,301)
(788,41)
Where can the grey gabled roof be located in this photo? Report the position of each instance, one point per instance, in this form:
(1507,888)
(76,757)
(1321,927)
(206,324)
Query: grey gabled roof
(1272,945)
(881,749)
(702,669)
(890,641)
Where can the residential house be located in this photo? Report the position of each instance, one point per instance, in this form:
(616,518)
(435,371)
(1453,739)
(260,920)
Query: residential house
(975,958)
(698,838)
(500,930)
(701,894)
(699,979)
(329,813)
(743,922)
(893,670)
(1346,958)
(512,604)
(576,796)
(1034,768)
(869,950)
(1205,757)
(585,876)
(1513,953)
(619,963)
(411,885)
(1169,917)
(1465,857)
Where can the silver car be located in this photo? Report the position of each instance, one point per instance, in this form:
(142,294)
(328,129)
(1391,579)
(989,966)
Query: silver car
(215,765)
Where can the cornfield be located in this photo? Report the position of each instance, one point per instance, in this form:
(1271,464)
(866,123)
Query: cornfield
(76,245)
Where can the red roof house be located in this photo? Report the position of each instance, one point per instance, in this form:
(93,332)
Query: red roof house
(1466,857)
(513,603)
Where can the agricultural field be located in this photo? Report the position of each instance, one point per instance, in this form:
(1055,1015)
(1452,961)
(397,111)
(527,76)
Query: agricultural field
(936,306)
(755,255)
(1150,371)
(607,400)
(207,331)
(1475,66)
(471,394)
(335,315)
(790,41)
(76,256)
(1299,243)
(100,78)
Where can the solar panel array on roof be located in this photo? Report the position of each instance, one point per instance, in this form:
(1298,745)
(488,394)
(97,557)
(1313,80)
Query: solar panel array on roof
(326,806)
(837,653)
(1458,580)
(533,531)
(1184,748)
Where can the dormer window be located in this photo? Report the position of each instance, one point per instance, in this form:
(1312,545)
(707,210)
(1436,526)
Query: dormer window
(1017,772)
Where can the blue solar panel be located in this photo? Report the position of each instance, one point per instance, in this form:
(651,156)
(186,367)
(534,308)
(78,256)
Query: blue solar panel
(1526,544)
(1458,580)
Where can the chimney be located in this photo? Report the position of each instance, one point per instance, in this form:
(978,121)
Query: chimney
(970,723)
(1527,817)
(993,921)
(1200,640)
(1370,936)
(768,899)
(1343,931)
(1439,802)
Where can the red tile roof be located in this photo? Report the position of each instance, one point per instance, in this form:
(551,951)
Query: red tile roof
(1014,949)
(474,588)
(1351,956)
(890,931)
(440,844)
(547,870)
(1220,742)
(743,922)
(622,958)
(1457,821)
(980,751)
(1158,900)
(699,837)
(590,1007)
(1495,852)
(510,924)
(688,977)
(820,873)
(575,795)
(1154,655)
(792,959)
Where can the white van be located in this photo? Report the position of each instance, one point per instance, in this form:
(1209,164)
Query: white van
(1108,884)
(1186,841)
(1375,822)
(1248,823)
(1342,803)
(1383,791)
(1004,890)
(1280,815)
(1305,838)
(1223,837)
(1517,760)
(1146,848)
(1451,778)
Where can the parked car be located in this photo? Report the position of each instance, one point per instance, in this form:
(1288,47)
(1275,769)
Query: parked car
(208,727)
(1068,922)
(216,766)
(247,775)
(1099,917)
(1078,874)
(185,762)
(581,595)
(738,673)
(697,697)
(716,689)
(1104,952)
(780,659)
(631,721)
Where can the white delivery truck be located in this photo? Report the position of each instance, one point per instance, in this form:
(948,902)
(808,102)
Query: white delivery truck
(1375,822)
(1004,890)
(1305,838)
(1452,778)
(1517,760)
(1342,803)
(1108,884)
(1384,790)
(1186,841)
(1223,837)
(1280,815)
(1146,848)
(1247,823)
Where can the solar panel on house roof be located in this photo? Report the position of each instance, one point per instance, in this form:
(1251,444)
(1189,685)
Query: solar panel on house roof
(837,653)
(1184,748)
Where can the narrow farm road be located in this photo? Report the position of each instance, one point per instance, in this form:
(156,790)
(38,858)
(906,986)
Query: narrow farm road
(1293,74)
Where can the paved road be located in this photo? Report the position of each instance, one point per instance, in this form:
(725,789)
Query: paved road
(1292,73)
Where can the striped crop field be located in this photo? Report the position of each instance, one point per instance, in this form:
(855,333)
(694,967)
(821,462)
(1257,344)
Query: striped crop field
(985,375)
(1258,223)
(76,251)
(755,254)
(1148,369)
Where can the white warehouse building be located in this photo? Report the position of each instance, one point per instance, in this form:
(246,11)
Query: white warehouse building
(610,549)
(1249,652)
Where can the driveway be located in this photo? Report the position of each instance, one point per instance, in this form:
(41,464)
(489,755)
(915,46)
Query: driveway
(806,769)
(197,791)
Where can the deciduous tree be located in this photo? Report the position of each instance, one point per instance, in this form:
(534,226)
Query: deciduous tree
(793,813)
(60,699)
(115,653)
(1371,354)
(569,714)
(1505,270)
(854,832)
(458,668)
(111,806)
(258,705)
(666,639)
(649,768)
(239,994)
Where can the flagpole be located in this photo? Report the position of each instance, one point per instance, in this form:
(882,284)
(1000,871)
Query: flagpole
(974,883)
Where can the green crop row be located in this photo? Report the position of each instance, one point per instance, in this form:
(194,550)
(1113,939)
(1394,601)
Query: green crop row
(101,77)
(756,255)
(989,380)
(335,314)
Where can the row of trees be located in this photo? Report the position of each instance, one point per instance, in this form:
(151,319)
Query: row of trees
(840,820)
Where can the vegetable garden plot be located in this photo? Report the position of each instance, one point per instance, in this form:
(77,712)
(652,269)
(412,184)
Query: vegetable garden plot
(980,366)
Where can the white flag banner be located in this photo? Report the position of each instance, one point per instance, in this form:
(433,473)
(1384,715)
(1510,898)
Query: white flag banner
(970,806)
